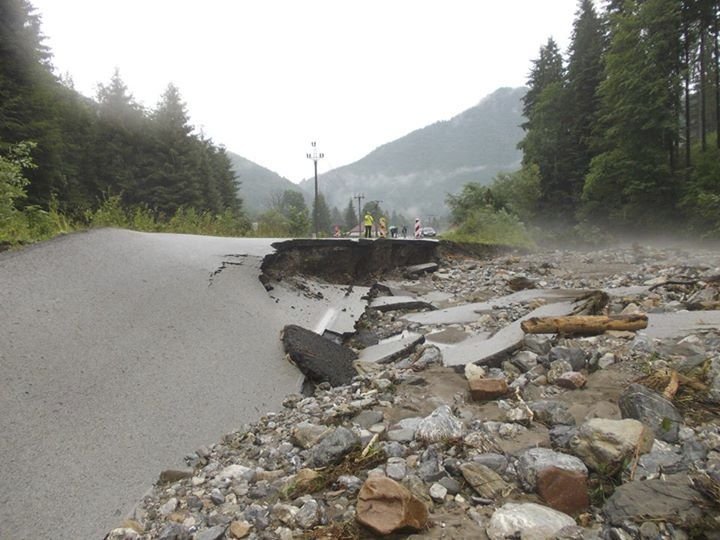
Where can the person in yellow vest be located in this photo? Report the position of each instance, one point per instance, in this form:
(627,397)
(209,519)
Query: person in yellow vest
(368,224)
(383,228)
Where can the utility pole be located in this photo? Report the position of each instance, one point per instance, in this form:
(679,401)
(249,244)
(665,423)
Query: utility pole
(314,155)
(359,197)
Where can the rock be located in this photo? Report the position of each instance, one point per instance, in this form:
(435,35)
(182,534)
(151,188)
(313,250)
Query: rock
(486,482)
(174,531)
(452,486)
(396,468)
(367,419)
(169,476)
(319,359)
(606,360)
(239,529)
(605,444)
(537,343)
(564,490)
(528,521)
(333,447)
(306,435)
(533,461)
(213,533)
(653,410)
(440,426)
(168,507)
(438,492)
(557,368)
(237,472)
(309,514)
(385,506)
(497,462)
(487,389)
(561,436)
(573,380)
(401,435)
(525,360)
(551,413)
(662,459)
(473,371)
(258,516)
(285,513)
(518,283)
(671,500)
(123,534)
(217,497)
(430,356)
(573,356)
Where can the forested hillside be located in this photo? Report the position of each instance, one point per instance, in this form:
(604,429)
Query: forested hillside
(86,151)
(620,133)
(258,186)
(414,174)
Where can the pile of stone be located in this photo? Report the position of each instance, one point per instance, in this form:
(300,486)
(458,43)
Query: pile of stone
(614,436)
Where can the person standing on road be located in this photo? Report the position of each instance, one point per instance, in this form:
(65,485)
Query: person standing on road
(404,231)
(368,224)
(418,228)
(383,227)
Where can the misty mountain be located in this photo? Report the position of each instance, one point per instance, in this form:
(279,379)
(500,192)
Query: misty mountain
(257,184)
(414,174)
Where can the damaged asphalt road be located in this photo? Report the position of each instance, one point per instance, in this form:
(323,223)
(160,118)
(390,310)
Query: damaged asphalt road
(121,352)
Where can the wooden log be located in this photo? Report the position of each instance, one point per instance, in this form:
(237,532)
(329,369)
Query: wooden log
(584,324)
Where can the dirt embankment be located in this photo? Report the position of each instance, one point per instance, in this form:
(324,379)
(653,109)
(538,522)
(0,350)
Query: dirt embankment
(359,262)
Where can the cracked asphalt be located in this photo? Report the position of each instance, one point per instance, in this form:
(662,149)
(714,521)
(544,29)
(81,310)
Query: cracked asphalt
(119,357)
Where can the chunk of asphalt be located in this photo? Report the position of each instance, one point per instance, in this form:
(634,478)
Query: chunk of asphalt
(387,352)
(396,303)
(318,358)
(419,269)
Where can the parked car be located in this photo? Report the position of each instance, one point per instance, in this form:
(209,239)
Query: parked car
(428,231)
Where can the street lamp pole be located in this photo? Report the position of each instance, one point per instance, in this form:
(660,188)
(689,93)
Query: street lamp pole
(315,155)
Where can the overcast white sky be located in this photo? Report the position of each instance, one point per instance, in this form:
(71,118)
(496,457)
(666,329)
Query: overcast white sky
(267,77)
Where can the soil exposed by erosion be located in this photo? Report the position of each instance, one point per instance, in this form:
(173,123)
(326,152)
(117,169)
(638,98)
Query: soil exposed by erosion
(358,262)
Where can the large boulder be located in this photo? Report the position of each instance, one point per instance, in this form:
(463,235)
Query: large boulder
(385,506)
(653,410)
(319,359)
(672,500)
(528,521)
(605,444)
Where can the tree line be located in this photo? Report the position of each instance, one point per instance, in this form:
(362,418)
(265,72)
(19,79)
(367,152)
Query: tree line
(88,150)
(621,133)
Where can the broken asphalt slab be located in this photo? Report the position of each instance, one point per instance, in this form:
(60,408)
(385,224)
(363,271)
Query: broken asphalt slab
(392,348)
(468,313)
(319,359)
(397,303)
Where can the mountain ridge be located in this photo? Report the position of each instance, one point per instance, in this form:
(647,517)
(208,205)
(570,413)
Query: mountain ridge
(430,162)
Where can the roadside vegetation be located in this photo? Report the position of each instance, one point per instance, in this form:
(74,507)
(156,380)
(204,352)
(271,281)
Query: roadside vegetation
(620,133)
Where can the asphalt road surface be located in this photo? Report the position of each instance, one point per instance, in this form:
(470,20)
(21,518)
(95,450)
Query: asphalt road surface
(120,353)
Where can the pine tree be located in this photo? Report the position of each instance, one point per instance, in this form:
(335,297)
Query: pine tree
(631,180)
(584,74)
(350,217)
(547,133)
(324,221)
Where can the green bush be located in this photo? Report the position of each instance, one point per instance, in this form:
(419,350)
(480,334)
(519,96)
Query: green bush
(489,226)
